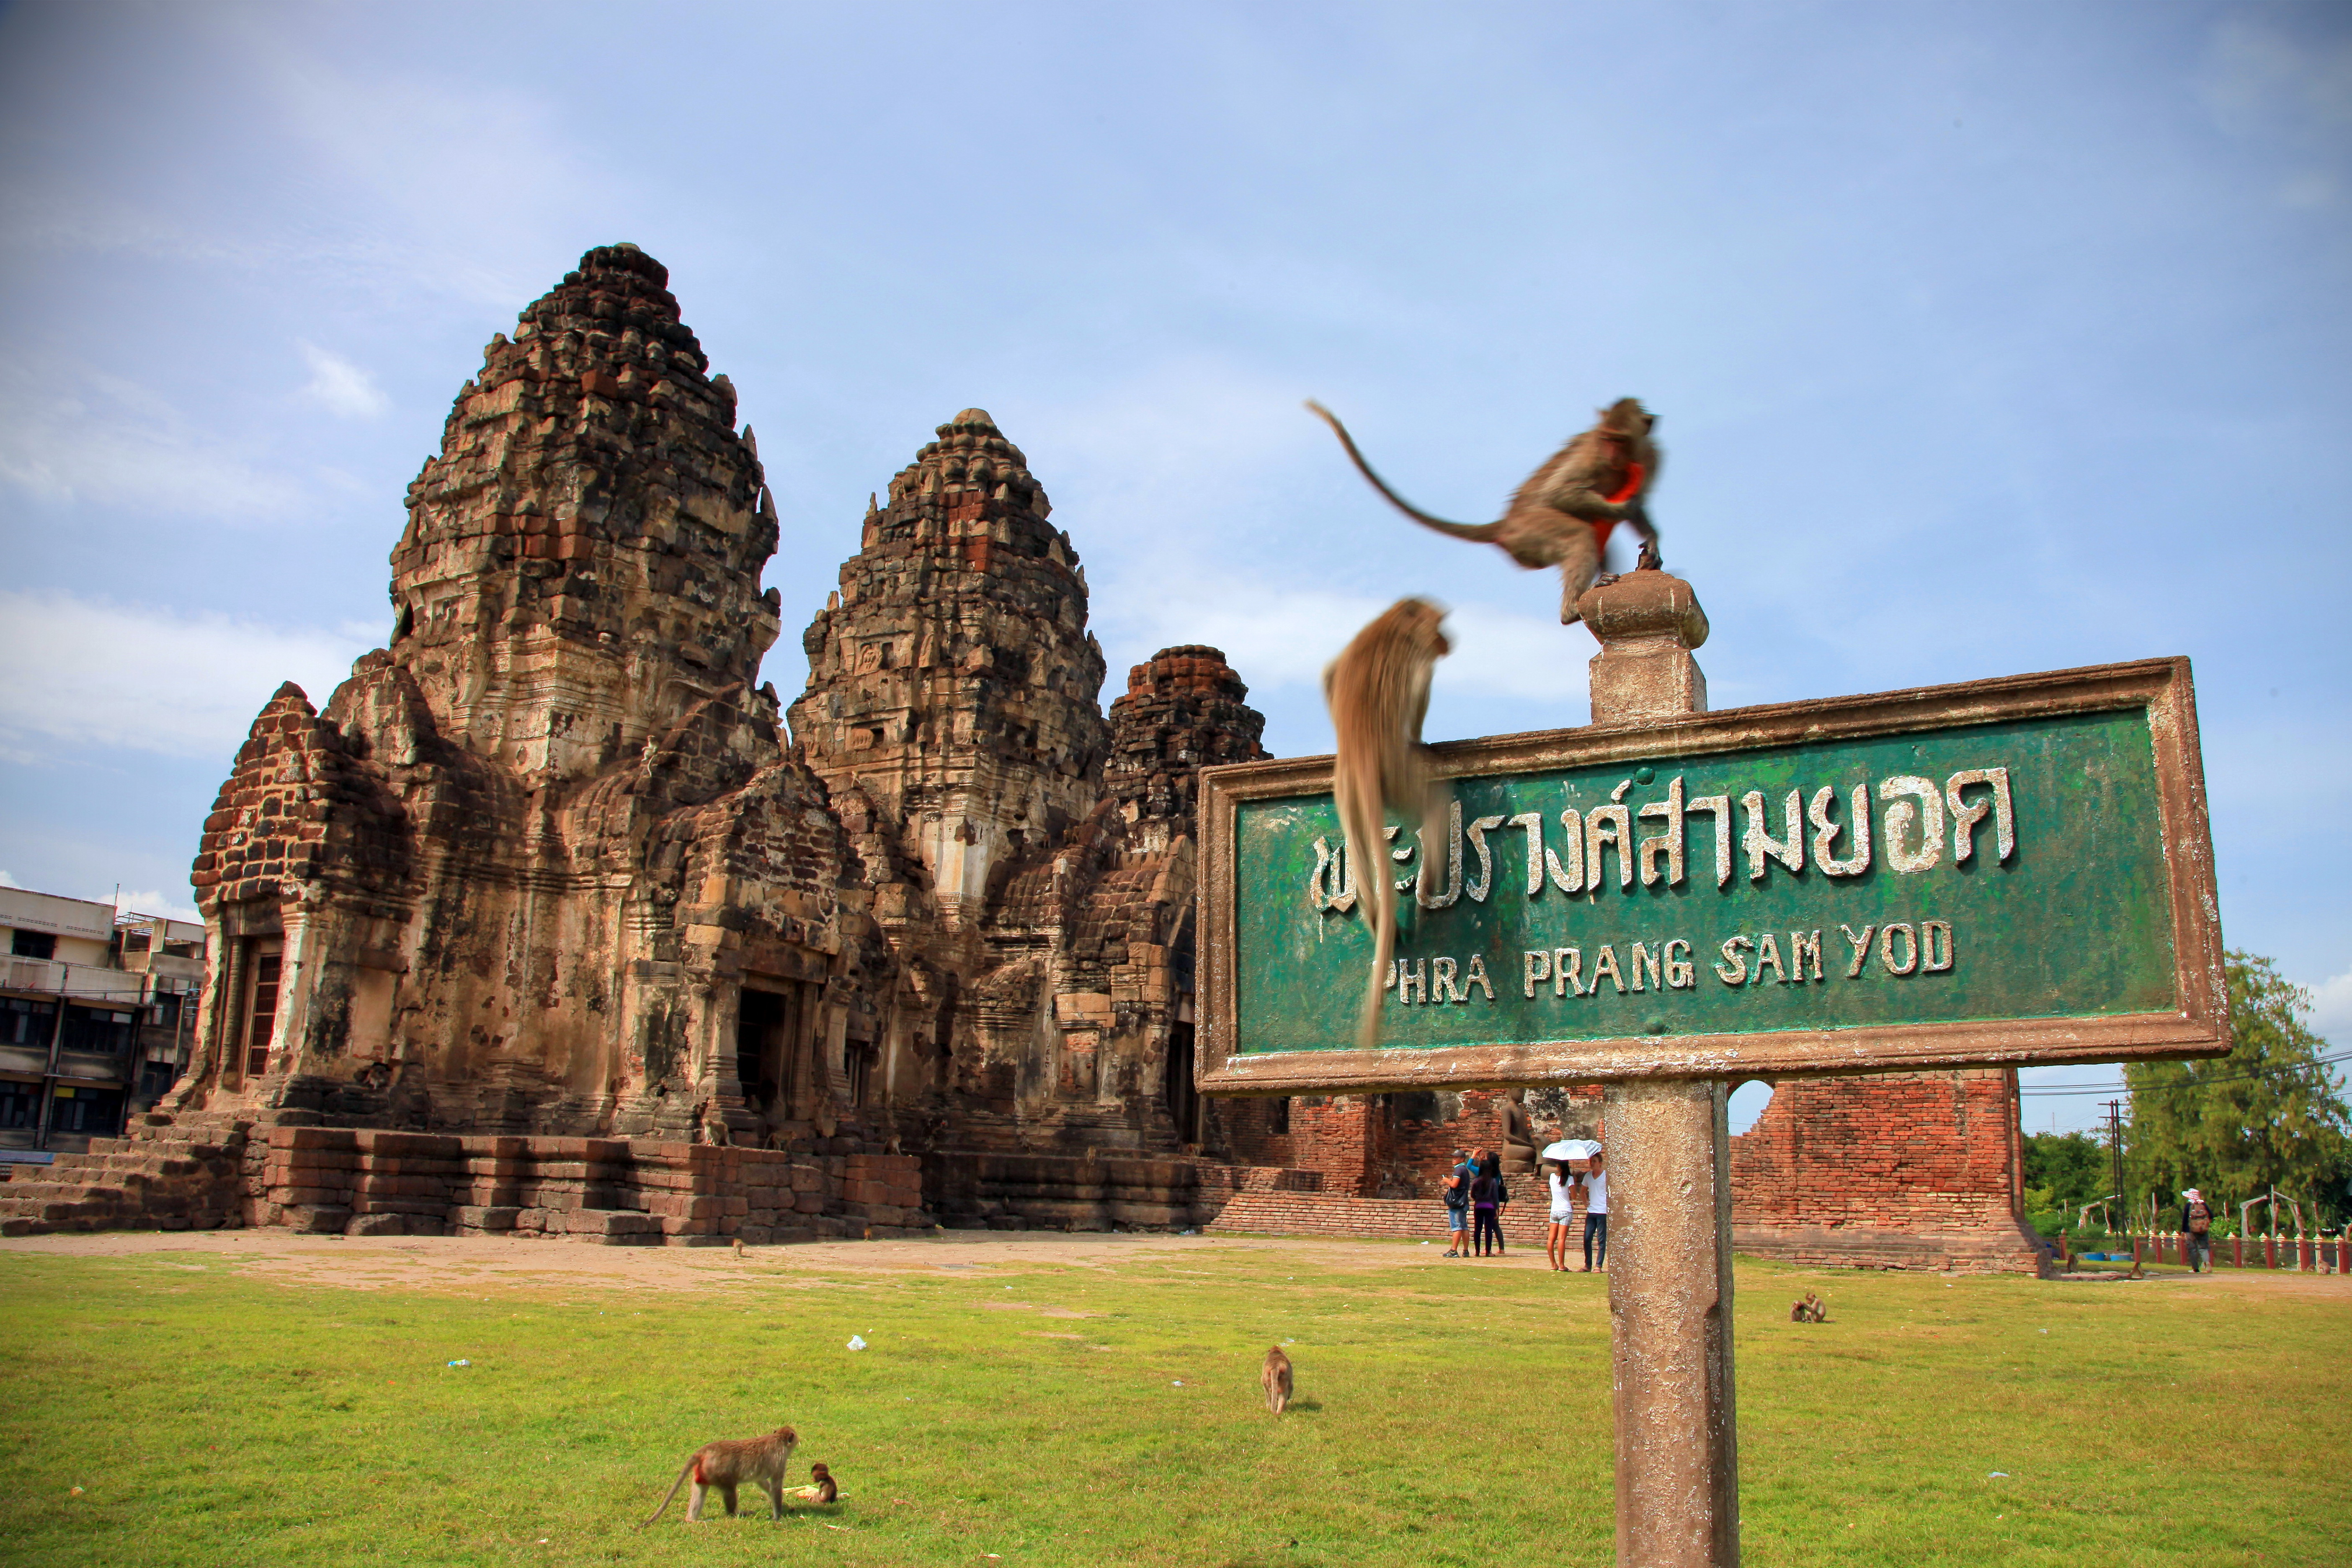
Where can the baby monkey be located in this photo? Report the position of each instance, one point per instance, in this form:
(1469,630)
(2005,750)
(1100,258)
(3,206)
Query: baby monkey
(728,1465)
(1276,1379)
(1563,514)
(820,1488)
(1810,1309)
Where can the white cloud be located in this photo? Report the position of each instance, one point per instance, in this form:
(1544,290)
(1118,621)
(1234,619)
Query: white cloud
(173,905)
(2256,77)
(88,672)
(8,881)
(87,435)
(340,387)
(2331,1009)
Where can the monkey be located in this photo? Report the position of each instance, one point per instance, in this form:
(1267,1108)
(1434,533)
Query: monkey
(1563,514)
(1276,1379)
(1378,692)
(728,1465)
(739,1249)
(1810,1309)
(820,1488)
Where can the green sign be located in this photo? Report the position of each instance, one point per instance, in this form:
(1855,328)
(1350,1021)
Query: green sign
(1953,881)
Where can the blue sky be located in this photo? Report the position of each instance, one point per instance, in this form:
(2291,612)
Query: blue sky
(1988,339)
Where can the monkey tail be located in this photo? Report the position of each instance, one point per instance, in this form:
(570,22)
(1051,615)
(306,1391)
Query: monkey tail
(1476,532)
(672,1492)
(1382,895)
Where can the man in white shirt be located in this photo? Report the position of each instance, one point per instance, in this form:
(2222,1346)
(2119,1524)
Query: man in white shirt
(1596,1212)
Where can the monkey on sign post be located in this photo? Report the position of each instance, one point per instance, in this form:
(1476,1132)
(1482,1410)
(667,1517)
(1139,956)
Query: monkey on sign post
(1563,514)
(1275,1378)
(1378,692)
(728,1465)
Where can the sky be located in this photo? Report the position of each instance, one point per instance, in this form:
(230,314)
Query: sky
(1986,340)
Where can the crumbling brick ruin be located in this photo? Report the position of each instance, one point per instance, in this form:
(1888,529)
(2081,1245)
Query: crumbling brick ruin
(545,924)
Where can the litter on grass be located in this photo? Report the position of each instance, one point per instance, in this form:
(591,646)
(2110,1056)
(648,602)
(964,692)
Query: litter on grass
(856,1341)
(461,1364)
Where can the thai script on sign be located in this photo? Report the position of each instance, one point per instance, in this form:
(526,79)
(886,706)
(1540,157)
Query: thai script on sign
(1917,820)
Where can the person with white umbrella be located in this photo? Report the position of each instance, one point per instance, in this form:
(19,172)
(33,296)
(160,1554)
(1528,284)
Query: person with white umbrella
(1563,1186)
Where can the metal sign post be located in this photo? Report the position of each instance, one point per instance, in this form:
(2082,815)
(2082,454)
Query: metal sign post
(2011,872)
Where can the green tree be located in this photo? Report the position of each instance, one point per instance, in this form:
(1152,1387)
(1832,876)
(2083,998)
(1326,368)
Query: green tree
(2268,1114)
(2064,1171)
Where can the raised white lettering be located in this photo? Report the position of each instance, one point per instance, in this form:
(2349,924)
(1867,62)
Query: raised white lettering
(1440,980)
(1910,949)
(1733,970)
(1680,972)
(1477,975)
(1567,971)
(1669,843)
(1534,964)
(1861,948)
(1645,955)
(1803,945)
(1413,984)
(1760,843)
(1606,826)
(1445,900)
(1605,962)
(1965,816)
(1936,945)
(1477,831)
(1901,813)
(1719,807)
(1825,833)
(1767,951)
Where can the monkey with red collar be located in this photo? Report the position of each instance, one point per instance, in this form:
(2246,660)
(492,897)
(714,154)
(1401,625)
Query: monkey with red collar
(729,1464)
(1564,513)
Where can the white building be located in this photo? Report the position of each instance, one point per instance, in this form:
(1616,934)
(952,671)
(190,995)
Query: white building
(97,1013)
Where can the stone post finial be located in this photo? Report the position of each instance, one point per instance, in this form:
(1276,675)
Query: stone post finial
(1647,622)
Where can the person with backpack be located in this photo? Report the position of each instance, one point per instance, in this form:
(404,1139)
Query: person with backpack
(1596,1212)
(1457,1203)
(1487,1196)
(2197,1225)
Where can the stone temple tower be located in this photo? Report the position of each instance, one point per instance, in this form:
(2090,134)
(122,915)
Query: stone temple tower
(542,864)
(952,679)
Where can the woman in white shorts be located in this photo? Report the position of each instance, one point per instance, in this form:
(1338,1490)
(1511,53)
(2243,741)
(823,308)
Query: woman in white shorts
(1561,1185)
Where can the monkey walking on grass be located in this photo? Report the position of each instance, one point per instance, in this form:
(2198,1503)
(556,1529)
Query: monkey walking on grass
(1563,514)
(729,1464)
(1378,692)
(1275,1378)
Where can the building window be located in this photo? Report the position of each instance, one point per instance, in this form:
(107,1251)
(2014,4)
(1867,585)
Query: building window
(20,1105)
(261,1011)
(101,1030)
(156,1078)
(861,1072)
(98,1111)
(1277,1115)
(33,944)
(26,1023)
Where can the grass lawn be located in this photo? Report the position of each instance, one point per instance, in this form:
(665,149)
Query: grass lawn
(259,1398)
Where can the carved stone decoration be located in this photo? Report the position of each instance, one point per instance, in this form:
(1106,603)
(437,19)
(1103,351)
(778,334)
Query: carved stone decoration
(543,866)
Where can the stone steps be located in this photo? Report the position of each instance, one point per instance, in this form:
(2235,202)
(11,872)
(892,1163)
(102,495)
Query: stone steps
(135,1183)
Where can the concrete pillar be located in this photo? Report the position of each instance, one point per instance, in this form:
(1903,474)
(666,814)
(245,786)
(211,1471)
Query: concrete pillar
(1669,1180)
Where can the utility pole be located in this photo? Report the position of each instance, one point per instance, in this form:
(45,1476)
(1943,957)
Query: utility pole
(2115,1154)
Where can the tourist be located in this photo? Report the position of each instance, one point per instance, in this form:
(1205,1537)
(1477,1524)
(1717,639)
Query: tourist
(1596,1212)
(1457,1205)
(2197,1225)
(1487,1196)
(1563,1186)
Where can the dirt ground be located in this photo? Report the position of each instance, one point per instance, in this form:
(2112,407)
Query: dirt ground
(457,1263)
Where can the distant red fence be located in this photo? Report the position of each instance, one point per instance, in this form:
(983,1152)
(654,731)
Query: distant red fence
(2307,1254)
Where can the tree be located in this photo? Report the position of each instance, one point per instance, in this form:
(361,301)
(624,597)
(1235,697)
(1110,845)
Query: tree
(2064,1171)
(2268,1114)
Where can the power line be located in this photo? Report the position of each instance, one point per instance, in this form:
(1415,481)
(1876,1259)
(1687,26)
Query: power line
(2199,1082)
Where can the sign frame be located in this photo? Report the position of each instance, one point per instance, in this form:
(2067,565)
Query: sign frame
(2161,687)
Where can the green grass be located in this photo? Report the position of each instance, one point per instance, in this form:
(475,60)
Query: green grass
(1456,1413)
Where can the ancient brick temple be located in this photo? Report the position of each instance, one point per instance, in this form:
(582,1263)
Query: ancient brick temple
(547,923)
